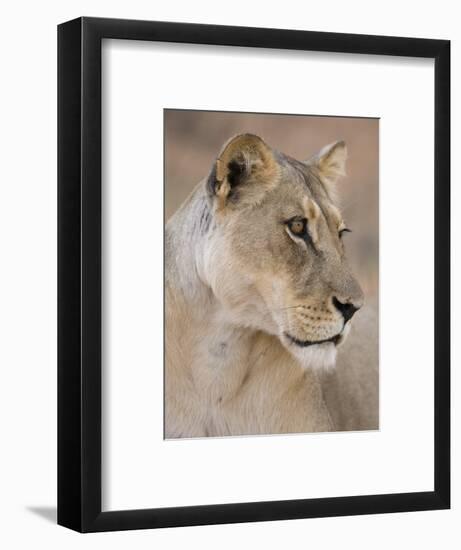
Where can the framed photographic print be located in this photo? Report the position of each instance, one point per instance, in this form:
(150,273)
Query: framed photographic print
(254,318)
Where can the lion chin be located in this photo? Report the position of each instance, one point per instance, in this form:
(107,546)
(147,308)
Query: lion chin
(317,356)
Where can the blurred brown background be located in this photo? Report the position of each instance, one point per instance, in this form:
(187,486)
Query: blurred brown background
(194,138)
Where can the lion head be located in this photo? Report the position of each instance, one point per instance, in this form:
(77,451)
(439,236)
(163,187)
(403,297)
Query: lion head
(274,256)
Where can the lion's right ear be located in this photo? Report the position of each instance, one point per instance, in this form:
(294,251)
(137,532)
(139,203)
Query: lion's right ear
(243,171)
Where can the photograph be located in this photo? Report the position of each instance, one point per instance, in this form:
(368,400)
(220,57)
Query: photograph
(271,270)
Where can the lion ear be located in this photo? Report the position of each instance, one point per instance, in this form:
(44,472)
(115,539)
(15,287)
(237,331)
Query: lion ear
(242,173)
(331,162)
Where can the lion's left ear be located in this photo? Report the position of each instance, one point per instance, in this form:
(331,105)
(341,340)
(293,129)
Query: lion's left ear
(331,162)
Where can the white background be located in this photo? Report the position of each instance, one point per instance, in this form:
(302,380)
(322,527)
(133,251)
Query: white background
(142,470)
(28,276)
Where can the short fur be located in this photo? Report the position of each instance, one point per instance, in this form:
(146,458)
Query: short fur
(247,299)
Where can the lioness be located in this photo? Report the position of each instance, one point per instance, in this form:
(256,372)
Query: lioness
(259,297)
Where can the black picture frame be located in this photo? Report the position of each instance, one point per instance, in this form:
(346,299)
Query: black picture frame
(79,274)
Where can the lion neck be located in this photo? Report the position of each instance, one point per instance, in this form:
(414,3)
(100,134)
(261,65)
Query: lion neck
(199,329)
(184,249)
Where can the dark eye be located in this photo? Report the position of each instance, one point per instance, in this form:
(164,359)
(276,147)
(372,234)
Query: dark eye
(342,231)
(298,226)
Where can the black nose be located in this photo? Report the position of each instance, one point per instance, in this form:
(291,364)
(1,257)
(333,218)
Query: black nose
(347,309)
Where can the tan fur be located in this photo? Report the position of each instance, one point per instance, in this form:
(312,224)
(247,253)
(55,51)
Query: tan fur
(240,290)
(312,212)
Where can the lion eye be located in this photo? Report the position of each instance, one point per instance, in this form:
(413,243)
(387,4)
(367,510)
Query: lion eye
(298,227)
(345,230)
